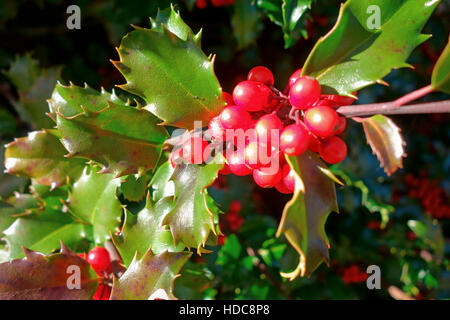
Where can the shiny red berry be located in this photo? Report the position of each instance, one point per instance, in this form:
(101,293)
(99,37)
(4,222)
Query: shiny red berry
(99,259)
(340,127)
(294,77)
(333,150)
(304,93)
(340,100)
(236,162)
(103,292)
(252,95)
(314,143)
(267,128)
(288,177)
(261,74)
(281,187)
(321,121)
(195,150)
(234,117)
(265,178)
(216,130)
(326,103)
(175,157)
(294,139)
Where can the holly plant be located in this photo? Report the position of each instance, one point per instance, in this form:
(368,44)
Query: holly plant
(121,182)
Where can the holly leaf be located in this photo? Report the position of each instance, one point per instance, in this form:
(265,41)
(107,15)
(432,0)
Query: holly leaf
(34,85)
(144,230)
(172,75)
(150,277)
(440,79)
(386,141)
(356,53)
(125,140)
(72,100)
(40,155)
(7,215)
(304,216)
(133,187)
(40,277)
(93,200)
(293,26)
(246,23)
(161,184)
(192,218)
(171,19)
(43,229)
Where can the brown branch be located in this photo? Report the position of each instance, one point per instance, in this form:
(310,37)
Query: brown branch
(390,108)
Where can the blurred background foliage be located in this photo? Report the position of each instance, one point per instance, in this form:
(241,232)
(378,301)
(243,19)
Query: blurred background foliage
(400,223)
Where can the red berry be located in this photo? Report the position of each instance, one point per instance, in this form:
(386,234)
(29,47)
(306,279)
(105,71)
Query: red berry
(228,98)
(321,121)
(175,157)
(268,127)
(261,74)
(252,96)
(294,139)
(314,143)
(236,162)
(216,130)
(333,150)
(340,127)
(281,187)
(99,259)
(234,117)
(195,150)
(304,93)
(103,292)
(326,103)
(289,177)
(235,206)
(265,178)
(295,76)
(201,4)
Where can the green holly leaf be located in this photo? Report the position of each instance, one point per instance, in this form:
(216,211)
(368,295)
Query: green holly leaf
(40,155)
(40,277)
(150,277)
(293,26)
(161,184)
(93,200)
(440,79)
(304,216)
(133,188)
(72,100)
(144,230)
(43,229)
(193,216)
(355,53)
(7,215)
(172,75)
(125,140)
(386,141)
(246,23)
(171,19)
(34,86)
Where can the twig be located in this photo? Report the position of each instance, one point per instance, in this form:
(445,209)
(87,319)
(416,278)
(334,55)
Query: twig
(389,108)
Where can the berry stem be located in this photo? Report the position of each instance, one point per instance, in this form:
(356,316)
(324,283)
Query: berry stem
(389,108)
(414,95)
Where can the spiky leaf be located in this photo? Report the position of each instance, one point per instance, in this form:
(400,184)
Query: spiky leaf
(161,184)
(124,140)
(150,277)
(386,141)
(304,216)
(133,188)
(40,155)
(246,22)
(144,230)
(192,218)
(93,200)
(440,79)
(40,277)
(172,75)
(355,54)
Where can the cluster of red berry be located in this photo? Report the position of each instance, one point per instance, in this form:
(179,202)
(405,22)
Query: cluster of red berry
(100,261)
(432,197)
(201,4)
(353,274)
(260,124)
